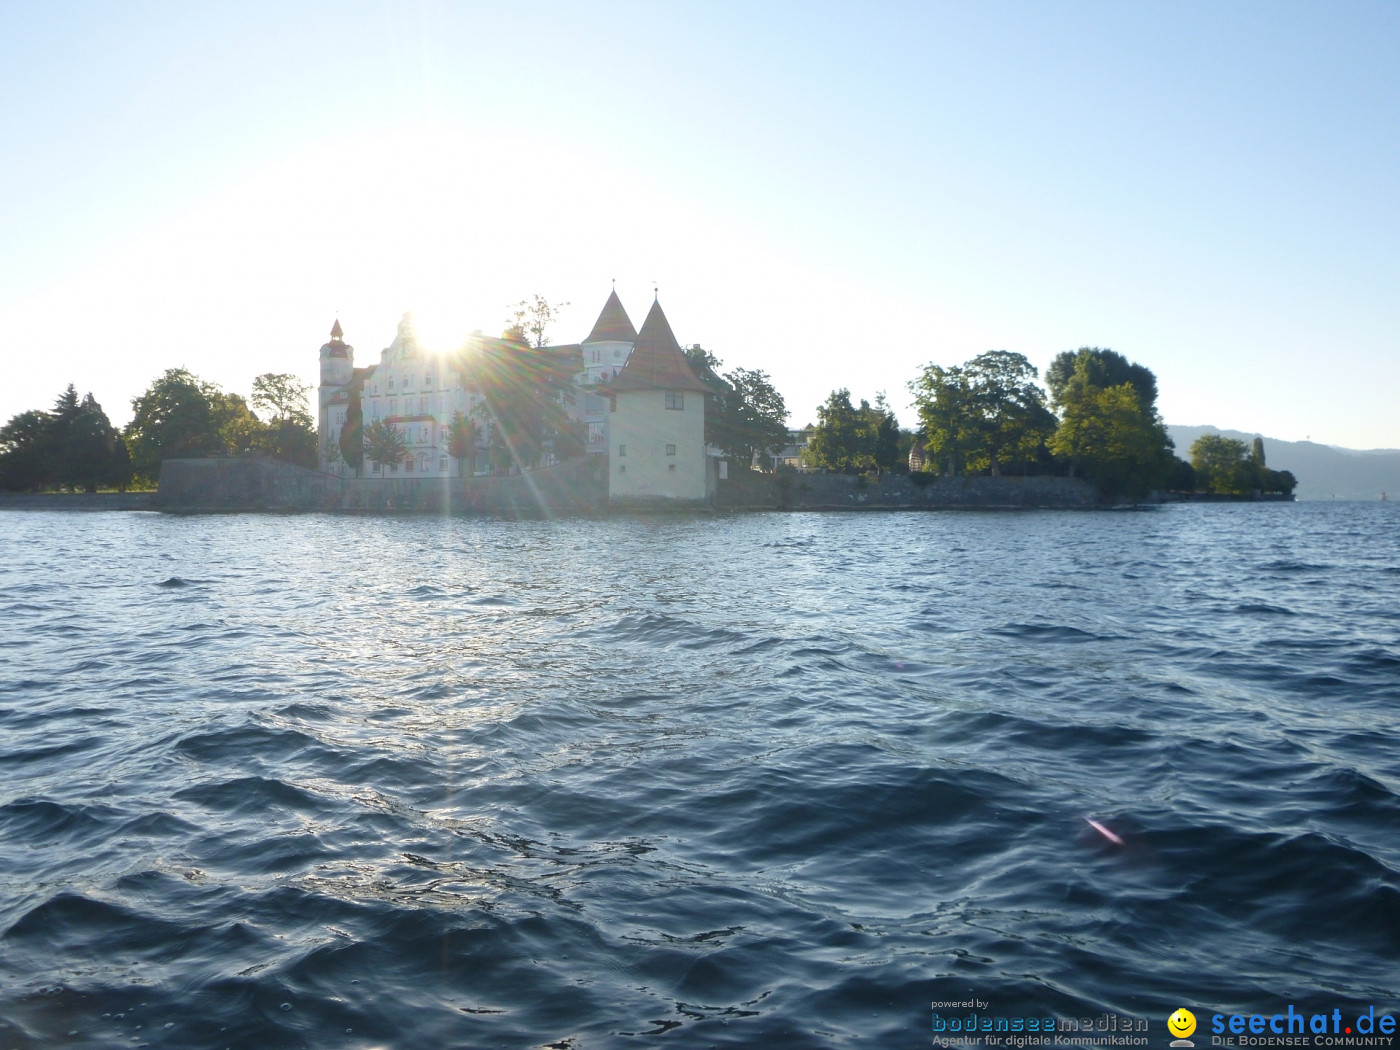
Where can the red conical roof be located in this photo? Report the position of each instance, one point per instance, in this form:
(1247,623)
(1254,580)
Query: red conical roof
(657,361)
(613,324)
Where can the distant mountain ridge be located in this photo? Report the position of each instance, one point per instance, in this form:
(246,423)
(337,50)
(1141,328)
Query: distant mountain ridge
(1323,471)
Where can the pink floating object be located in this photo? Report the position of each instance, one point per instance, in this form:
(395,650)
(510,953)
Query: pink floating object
(1104,831)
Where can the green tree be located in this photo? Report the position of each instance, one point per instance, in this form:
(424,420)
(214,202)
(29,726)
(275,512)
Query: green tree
(1227,467)
(175,417)
(746,417)
(886,441)
(62,418)
(93,452)
(837,442)
(1112,437)
(352,449)
(384,443)
(948,416)
(24,451)
(1073,370)
(462,437)
(1126,450)
(1011,423)
(289,434)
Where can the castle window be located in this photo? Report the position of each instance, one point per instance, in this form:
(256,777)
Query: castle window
(622,468)
(442,463)
(670,450)
(391,382)
(671,468)
(675,401)
(622,450)
(597,356)
(408,464)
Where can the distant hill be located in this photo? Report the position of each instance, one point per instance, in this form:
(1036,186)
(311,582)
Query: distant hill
(1323,471)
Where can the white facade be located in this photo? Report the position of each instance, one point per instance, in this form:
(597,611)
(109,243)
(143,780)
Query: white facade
(657,446)
(414,390)
(640,401)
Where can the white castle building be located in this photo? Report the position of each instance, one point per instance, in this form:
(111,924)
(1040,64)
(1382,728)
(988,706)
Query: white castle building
(637,396)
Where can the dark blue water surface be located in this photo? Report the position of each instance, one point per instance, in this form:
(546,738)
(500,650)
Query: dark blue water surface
(776,780)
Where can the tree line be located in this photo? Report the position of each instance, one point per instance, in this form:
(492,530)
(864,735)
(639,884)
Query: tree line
(74,445)
(1098,420)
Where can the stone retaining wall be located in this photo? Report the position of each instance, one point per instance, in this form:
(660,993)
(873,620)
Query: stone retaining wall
(254,483)
(76,500)
(749,490)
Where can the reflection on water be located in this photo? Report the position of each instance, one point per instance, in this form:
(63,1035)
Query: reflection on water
(775,779)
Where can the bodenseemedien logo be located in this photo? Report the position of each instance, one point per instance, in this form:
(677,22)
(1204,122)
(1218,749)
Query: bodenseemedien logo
(1181,1024)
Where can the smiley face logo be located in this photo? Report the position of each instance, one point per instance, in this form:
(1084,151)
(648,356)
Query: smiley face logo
(1182,1023)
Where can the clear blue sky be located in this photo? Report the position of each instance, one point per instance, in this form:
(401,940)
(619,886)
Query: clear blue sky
(834,194)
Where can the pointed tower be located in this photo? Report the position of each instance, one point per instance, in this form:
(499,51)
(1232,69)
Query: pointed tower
(656,422)
(333,396)
(604,353)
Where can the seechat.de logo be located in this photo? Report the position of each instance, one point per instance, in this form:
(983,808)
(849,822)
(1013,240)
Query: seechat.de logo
(1181,1024)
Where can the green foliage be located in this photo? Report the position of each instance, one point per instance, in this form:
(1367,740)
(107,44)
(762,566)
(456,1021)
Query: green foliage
(987,414)
(72,447)
(352,433)
(1073,370)
(836,442)
(181,415)
(93,454)
(289,434)
(462,437)
(1224,466)
(1109,428)
(850,439)
(943,397)
(384,443)
(175,417)
(24,451)
(885,436)
(1115,440)
(282,396)
(746,417)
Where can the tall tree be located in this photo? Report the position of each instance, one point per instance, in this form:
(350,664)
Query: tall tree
(1125,449)
(462,437)
(174,417)
(532,318)
(351,441)
(1092,366)
(289,433)
(746,417)
(25,451)
(1115,441)
(384,443)
(948,415)
(93,452)
(885,437)
(1012,423)
(838,441)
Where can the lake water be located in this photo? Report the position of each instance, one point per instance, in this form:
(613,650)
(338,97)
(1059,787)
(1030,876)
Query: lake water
(772,780)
